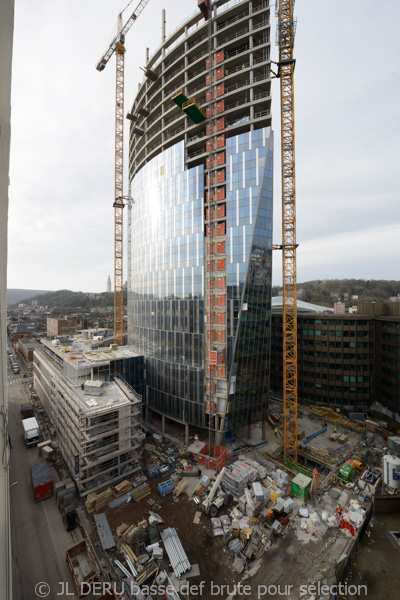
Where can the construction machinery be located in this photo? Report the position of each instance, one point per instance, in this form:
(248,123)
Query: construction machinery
(117,46)
(216,498)
(285,72)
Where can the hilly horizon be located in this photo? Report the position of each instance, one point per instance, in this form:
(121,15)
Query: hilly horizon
(315,291)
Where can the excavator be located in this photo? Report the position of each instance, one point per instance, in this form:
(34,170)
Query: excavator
(216,498)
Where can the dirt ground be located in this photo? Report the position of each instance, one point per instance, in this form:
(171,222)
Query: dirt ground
(202,548)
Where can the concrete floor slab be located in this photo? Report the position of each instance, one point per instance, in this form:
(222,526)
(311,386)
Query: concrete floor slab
(196,447)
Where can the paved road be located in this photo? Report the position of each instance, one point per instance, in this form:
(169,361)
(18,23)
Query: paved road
(39,538)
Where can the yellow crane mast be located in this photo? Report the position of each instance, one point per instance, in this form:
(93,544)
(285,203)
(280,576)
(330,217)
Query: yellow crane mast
(117,46)
(286,64)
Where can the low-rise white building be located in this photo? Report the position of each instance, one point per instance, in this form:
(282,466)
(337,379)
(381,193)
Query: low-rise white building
(96,413)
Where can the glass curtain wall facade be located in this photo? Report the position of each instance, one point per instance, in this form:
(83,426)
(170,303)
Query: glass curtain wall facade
(165,294)
(249,262)
(166,288)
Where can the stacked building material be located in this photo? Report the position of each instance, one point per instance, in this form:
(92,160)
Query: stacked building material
(235,546)
(217,526)
(256,540)
(282,477)
(249,498)
(122,488)
(140,492)
(158,553)
(96,501)
(235,480)
(139,479)
(180,487)
(253,511)
(251,471)
(121,529)
(176,554)
(226,523)
(118,501)
(148,574)
(257,490)
(65,498)
(239,563)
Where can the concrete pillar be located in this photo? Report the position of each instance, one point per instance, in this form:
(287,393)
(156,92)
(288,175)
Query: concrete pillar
(264,429)
(186,434)
(162,424)
(146,413)
(163,27)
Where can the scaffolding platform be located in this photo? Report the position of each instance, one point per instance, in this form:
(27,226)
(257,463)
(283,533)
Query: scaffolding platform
(193,111)
(189,106)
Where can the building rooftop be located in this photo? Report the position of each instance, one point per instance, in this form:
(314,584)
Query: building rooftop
(276,303)
(78,352)
(94,397)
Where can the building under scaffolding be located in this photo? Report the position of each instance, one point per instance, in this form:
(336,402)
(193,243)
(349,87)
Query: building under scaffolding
(96,413)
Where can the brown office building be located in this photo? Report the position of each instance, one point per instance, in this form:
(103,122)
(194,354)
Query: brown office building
(63,326)
(349,361)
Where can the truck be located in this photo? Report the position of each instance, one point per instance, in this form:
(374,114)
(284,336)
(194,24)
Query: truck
(216,498)
(31,431)
(83,567)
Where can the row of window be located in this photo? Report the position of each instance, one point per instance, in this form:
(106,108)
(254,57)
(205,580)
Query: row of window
(344,333)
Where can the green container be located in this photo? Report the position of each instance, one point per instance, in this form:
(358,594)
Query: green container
(301,485)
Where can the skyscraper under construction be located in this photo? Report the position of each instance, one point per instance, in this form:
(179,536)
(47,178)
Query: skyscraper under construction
(200,251)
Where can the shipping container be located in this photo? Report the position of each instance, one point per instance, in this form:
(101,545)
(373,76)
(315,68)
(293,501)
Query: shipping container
(83,567)
(42,481)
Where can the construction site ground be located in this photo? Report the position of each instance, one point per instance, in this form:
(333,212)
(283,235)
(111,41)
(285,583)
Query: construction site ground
(203,549)
(296,559)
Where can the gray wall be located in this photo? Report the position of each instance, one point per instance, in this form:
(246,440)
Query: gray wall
(6,41)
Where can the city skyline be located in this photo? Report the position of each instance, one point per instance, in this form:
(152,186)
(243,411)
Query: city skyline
(62,141)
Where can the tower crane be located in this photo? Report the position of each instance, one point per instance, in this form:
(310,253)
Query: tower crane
(117,46)
(285,72)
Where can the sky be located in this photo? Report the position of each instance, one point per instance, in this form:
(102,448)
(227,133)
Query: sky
(347,122)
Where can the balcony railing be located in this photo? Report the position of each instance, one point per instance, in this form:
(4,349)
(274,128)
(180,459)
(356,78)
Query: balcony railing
(232,20)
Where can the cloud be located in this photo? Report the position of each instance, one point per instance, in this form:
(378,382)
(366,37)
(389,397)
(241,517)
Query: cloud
(61,220)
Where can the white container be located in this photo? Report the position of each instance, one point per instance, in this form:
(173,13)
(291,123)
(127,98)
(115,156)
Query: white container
(391,471)
(258,493)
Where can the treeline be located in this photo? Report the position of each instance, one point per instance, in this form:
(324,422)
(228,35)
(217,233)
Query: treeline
(73,300)
(326,292)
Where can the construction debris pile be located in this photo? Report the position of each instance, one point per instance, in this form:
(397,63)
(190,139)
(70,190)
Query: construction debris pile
(262,508)
(139,551)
